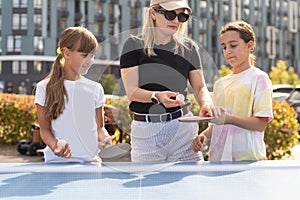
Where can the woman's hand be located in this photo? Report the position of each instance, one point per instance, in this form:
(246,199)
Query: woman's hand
(220,117)
(212,111)
(168,99)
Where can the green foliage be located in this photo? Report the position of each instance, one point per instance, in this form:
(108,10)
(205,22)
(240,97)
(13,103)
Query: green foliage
(223,72)
(281,134)
(281,75)
(17,113)
(123,114)
(110,84)
(123,117)
(195,108)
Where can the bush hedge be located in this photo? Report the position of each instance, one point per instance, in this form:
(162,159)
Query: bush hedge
(17,113)
(281,134)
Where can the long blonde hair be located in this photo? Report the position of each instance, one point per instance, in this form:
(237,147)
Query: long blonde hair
(75,39)
(246,34)
(148,35)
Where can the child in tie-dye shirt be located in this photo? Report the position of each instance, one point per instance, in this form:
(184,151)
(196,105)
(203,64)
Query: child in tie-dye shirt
(245,97)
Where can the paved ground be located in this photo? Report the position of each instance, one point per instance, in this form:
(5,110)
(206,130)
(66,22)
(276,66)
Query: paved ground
(9,154)
(296,151)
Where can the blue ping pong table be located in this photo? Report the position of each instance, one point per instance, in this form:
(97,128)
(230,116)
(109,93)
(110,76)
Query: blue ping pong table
(259,180)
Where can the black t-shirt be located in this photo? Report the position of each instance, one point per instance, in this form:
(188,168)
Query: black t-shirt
(165,71)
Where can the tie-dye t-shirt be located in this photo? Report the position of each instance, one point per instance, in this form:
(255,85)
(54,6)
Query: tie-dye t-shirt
(246,94)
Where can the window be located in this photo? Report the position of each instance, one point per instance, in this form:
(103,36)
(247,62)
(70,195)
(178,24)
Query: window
(236,10)
(37,20)
(293,19)
(38,44)
(0,46)
(22,88)
(19,21)
(62,4)
(20,3)
(2,86)
(15,67)
(271,41)
(38,3)
(19,67)
(14,43)
(37,66)
(23,69)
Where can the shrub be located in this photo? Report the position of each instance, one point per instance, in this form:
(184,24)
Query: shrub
(280,74)
(110,84)
(223,72)
(281,134)
(17,113)
(195,108)
(123,118)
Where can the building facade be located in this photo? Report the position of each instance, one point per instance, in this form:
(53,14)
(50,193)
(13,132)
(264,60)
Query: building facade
(29,31)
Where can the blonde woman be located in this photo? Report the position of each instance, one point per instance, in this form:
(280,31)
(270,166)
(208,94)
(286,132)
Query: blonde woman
(155,68)
(65,102)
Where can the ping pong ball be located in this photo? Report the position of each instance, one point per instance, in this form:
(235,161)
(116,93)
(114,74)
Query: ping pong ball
(61,143)
(180,97)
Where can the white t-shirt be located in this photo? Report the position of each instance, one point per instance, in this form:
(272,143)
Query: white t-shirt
(246,94)
(77,124)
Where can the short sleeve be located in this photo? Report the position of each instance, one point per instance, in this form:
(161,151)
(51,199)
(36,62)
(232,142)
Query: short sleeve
(263,97)
(40,93)
(130,53)
(99,96)
(195,58)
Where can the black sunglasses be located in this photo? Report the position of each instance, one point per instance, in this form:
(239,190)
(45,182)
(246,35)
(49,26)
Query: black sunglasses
(171,15)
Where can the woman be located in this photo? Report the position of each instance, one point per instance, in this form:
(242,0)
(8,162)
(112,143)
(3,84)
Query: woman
(155,67)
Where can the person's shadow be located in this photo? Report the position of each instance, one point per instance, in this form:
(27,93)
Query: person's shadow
(32,184)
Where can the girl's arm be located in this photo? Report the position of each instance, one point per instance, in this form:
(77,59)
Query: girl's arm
(202,95)
(200,141)
(103,137)
(250,123)
(201,92)
(47,135)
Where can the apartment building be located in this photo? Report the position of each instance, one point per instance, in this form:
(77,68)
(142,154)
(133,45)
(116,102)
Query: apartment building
(29,31)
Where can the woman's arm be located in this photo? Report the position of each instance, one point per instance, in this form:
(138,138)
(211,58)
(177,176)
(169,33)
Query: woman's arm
(202,95)
(197,82)
(130,79)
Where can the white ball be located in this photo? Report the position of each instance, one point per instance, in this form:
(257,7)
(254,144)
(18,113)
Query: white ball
(180,97)
(61,143)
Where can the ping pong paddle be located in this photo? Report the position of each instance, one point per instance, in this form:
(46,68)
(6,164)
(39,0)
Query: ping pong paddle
(196,119)
(116,152)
